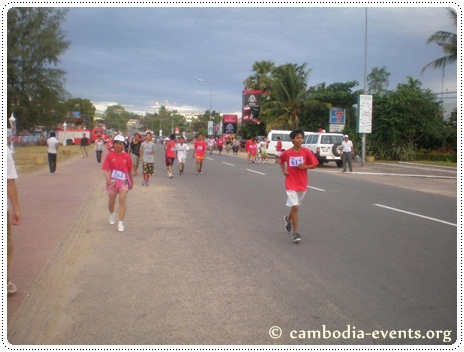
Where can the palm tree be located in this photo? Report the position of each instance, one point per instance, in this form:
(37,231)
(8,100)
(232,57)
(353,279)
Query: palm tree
(448,42)
(261,80)
(288,96)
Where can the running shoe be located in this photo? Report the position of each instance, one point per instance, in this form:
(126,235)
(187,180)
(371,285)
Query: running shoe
(288,224)
(120,226)
(112,218)
(296,237)
(144,183)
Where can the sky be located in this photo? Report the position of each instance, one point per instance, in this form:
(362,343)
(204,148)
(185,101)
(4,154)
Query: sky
(139,57)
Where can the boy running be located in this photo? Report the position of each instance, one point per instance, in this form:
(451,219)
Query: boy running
(147,155)
(294,163)
(182,150)
(117,169)
(170,148)
(199,153)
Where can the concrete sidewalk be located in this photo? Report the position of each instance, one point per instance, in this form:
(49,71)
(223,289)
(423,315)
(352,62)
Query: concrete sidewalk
(49,204)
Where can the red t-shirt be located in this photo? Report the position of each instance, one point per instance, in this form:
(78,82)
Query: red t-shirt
(171,149)
(279,146)
(220,142)
(297,179)
(117,161)
(200,147)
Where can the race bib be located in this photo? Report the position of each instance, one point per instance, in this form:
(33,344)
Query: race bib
(295,161)
(118,175)
(200,147)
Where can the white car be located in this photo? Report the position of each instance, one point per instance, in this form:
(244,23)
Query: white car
(325,146)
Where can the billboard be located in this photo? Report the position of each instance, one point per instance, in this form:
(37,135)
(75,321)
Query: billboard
(251,102)
(364,114)
(229,124)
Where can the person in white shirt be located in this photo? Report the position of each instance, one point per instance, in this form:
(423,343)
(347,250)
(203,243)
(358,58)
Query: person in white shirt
(182,150)
(53,144)
(348,151)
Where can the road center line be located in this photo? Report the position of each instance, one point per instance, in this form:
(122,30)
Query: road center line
(209,159)
(418,215)
(317,189)
(256,172)
(228,163)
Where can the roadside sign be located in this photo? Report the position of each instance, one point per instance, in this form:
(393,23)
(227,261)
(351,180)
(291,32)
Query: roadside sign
(337,116)
(364,114)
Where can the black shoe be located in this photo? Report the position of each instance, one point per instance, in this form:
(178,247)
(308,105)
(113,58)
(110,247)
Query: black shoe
(296,237)
(288,224)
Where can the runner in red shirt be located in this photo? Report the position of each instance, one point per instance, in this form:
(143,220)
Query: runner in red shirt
(117,169)
(171,152)
(220,144)
(278,151)
(199,153)
(294,163)
(250,149)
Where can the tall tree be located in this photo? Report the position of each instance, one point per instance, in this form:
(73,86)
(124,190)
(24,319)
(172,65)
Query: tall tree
(448,42)
(116,117)
(85,107)
(261,79)
(288,96)
(377,80)
(35,86)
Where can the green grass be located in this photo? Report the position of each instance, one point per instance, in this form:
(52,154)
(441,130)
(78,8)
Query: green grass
(436,163)
(25,157)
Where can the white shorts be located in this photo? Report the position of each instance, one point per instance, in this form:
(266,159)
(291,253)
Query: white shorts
(294,198)
(182,160)
(278,153)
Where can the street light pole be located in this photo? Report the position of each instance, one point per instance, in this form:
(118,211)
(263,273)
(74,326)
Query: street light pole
(210,98)
(363,140)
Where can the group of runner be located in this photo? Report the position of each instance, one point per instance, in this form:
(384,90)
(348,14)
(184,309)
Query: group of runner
(256,151)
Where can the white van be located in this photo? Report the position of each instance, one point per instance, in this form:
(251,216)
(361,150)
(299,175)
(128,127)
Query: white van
(284,138)
(325,146)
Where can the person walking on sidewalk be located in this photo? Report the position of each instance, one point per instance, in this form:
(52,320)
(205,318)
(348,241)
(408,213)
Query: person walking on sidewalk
(84,145)
(182,150)
(348,152)
(53,144)
(16,218)
(170,149)
(199,153)
(99,143)
(147,155)
(294,163)
(117,169)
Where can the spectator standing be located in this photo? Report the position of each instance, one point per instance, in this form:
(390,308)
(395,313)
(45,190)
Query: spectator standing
(134,151)
(12,194)
(117,169)
(348,151)
(294,163)
(84,145)
(53,145)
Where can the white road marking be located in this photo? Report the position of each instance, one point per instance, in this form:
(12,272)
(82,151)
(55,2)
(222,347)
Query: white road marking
(317,189)
(418,215)
(209,159)
(256,172)
(228,163)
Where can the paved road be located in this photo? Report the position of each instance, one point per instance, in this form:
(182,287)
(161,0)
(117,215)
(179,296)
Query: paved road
(205,260)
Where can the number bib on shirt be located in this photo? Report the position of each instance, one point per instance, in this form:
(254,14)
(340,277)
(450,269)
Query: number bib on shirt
(295,161)
(200,147)
(118,175)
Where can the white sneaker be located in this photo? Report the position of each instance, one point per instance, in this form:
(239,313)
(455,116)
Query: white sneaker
(112,218)
(120,226)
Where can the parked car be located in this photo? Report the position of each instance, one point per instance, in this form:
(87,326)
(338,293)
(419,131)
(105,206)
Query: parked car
(325,146)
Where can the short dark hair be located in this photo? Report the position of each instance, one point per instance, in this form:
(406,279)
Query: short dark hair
(172,137)
(53,134)
(294,133)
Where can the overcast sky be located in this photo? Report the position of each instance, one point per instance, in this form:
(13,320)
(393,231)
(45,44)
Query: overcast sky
(137,56)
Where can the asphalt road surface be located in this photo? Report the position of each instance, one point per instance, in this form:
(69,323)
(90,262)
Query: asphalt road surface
(205,260)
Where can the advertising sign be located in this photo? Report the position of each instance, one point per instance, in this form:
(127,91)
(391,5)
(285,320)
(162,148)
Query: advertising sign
(229,124)
(337,116)
(210,128)
(251,101)
(364,114)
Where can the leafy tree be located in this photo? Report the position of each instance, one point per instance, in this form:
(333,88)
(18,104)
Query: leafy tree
(116,117)
(85,107)
(405,120)
(448,42)
(377,80)
(288,96)
(35,86)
